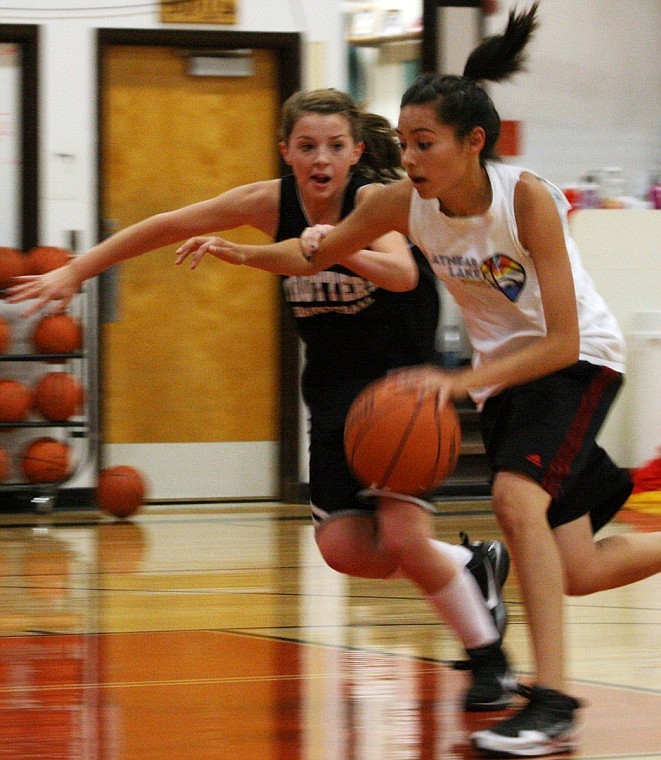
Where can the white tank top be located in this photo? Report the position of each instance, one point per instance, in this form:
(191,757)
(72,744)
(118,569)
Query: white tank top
(493,279)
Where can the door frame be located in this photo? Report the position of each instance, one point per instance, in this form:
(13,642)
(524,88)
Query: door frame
(26,36)
(287,49)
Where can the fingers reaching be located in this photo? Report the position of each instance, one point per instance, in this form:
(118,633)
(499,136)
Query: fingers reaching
(41,290)
(198,247)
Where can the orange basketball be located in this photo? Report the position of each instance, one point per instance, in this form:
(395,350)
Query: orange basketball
(58,334)
(45,258)
(12,264)
(46,460)
(398,440)
(58,396)
(16,400)
(5,336)
(121,490)
(5,464)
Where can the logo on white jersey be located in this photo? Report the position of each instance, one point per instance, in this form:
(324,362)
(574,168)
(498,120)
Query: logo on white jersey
(504,274)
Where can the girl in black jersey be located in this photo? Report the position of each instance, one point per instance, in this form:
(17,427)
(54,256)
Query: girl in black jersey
(354,331)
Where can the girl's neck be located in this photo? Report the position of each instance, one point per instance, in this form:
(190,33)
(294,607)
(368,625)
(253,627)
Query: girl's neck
(324,210)
(474,199)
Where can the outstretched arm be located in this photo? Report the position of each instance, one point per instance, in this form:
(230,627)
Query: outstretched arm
(255,205)
(388,263)
(363,242)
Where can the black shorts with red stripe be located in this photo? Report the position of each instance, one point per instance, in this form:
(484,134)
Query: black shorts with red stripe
(546,429)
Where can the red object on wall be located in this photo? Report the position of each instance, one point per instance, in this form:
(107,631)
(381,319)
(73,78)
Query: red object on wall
(510,140)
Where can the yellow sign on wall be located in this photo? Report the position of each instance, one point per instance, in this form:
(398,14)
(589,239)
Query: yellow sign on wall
(198,11)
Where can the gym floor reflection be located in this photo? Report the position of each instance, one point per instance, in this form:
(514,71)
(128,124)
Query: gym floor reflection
(216,631)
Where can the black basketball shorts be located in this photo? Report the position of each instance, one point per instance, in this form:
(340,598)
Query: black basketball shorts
(333,486)
(546,429)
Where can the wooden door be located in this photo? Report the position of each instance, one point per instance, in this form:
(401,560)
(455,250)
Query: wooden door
(190,369)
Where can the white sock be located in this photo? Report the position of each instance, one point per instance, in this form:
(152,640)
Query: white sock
(461,604)
(460,555)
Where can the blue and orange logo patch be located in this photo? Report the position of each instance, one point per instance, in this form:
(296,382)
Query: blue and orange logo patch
(504,274)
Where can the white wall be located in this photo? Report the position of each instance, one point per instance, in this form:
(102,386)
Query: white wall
(590,96)
(622,252)
(10,232)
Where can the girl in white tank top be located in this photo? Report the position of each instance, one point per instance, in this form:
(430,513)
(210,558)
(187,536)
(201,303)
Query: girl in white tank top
(548,357)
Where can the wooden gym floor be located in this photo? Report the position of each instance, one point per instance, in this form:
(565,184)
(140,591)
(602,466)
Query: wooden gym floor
(216,632)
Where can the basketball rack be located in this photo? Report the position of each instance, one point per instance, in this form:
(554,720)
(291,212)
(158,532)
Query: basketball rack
(81,432)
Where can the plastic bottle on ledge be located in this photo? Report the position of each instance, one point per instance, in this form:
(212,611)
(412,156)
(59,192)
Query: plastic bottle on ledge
(613,188)
(451,346)
(590,192)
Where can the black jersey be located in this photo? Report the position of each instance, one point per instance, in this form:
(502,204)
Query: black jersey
(353,331)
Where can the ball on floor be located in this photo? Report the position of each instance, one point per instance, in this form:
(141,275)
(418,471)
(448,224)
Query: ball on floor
(121,490)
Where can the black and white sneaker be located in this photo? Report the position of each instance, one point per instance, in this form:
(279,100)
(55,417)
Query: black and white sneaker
(545,726)
(493,684)
(490,566)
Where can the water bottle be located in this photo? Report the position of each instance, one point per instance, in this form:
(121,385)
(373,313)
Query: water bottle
(451,346)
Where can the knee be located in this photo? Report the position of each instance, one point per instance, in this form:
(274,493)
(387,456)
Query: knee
(520,505)
(350,547)
(510,513)
(336,556)
(581,575)
(393,544)
(577,584)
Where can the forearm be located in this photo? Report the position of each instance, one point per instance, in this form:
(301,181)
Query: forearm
(135,240)
(385,269)
(546,355)
(283,258)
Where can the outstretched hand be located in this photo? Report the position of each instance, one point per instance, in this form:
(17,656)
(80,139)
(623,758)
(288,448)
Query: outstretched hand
(58,286)
(197,247)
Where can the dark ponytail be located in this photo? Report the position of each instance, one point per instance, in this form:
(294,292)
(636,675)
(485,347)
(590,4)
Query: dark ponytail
(461,101)
(501,56)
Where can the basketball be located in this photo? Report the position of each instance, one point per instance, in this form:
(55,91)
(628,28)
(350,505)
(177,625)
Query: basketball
(5,464)
(16,400)
(58,396)
(12,264)
(46,460)
(121,490)
(396,439)
(58,334)
(5,336)
(45,258)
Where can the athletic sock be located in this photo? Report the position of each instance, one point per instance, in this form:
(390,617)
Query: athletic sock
(461,605)
(459,554)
